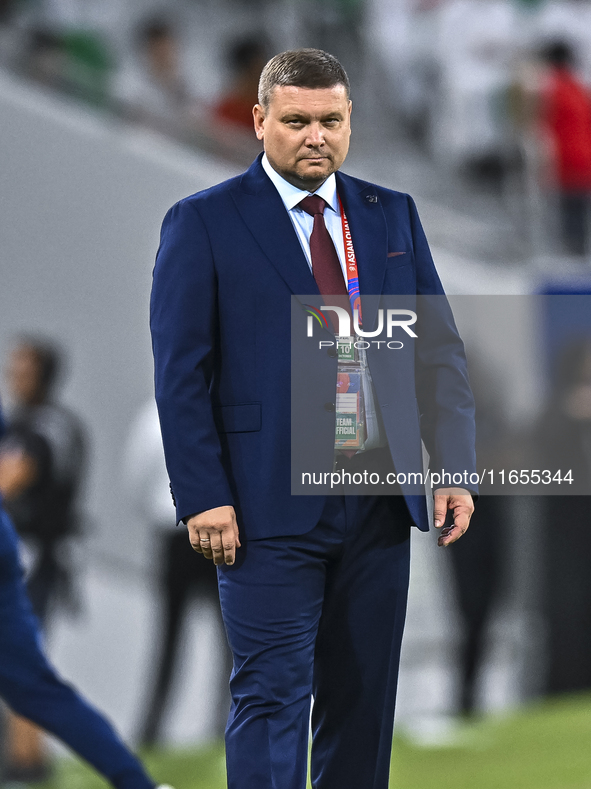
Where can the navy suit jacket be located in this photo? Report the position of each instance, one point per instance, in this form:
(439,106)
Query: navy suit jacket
(228,263)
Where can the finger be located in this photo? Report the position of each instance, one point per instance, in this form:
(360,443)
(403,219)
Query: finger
(462,518)
(217,552)
(449,535)
(205,544)
(440,503)
(453,532)
(194,538)
(230,542)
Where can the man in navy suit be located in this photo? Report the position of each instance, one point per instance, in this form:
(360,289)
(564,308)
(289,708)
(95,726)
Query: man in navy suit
(313,587)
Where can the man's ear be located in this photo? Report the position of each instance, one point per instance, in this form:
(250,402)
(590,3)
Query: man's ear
(258,113)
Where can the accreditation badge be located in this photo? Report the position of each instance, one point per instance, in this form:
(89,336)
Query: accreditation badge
(350,409)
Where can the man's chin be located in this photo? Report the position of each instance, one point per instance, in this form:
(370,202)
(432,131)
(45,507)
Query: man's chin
(315,172)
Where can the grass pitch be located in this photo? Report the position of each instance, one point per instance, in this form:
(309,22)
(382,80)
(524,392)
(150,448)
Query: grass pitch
(546,746)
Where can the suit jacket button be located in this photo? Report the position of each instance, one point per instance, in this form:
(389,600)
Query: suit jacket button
(332,352)
(329,406)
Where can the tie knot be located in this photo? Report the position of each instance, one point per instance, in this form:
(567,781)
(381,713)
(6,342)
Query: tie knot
(312,205)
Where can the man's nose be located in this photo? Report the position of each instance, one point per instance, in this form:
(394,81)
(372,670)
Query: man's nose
(315,136)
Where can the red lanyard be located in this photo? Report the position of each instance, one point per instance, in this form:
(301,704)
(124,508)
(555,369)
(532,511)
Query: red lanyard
(351,265)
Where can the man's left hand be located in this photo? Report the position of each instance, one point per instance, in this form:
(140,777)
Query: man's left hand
(460,502)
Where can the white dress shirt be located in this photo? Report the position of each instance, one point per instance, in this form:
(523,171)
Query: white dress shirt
(302,221)
(303,224)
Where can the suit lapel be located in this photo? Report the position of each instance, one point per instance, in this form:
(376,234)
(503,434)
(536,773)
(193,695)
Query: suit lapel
(370,240)
(263,212)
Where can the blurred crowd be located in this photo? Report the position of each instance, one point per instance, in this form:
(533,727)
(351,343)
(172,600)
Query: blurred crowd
(149,84)
(497,90)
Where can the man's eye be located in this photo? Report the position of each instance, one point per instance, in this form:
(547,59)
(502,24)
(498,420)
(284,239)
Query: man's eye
(295,123)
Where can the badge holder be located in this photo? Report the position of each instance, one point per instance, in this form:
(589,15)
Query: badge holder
(350,406)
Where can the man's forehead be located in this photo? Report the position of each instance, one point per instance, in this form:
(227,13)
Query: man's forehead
(290,98)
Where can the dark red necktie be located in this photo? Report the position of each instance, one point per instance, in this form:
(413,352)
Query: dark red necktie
(326,267)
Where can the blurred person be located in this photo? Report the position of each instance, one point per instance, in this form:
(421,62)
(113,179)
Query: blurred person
(153,90)
(50,439)
(477,561)
(566,444)
(526,158)
(44,448)
(313,588)
(468,125)
(45,58)
(565,117)
(184,582)
(246,58)
(233,130)
(28,682)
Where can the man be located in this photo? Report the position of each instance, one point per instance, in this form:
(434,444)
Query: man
(246,57)
(183,582)
(313,588)
(152,89)
(565,115)
(51,443)
(29,684)
(45,448)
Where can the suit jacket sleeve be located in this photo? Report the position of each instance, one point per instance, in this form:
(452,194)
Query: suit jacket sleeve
(446,404)
(183,320)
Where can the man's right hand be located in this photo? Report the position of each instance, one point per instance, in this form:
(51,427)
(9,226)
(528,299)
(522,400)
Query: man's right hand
(214,533)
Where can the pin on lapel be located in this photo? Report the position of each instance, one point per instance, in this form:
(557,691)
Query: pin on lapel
(371,198)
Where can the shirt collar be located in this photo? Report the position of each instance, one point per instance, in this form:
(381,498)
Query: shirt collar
(291,195)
